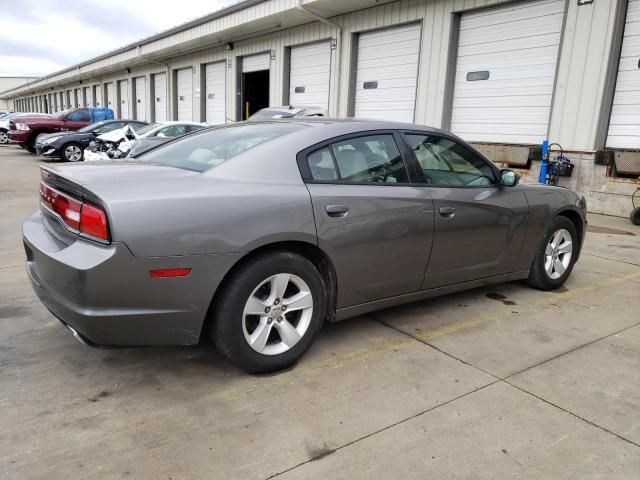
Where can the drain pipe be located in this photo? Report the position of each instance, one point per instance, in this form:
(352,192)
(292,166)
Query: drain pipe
(338,28)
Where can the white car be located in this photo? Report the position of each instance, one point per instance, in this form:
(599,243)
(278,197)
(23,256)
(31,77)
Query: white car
(288,111)
(118,143)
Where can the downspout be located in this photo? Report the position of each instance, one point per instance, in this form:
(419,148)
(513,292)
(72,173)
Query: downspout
(167,83)
(339,46)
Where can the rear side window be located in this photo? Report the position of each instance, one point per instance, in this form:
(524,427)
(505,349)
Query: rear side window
(366,159)
(79,116)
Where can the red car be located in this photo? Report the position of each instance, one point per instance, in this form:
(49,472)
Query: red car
(25,130)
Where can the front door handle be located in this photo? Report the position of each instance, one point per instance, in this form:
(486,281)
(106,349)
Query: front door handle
(336,210)
(447,212)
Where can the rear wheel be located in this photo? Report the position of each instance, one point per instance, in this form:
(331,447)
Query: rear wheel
(269,312)
(71,152)
(555,256)
(635,216)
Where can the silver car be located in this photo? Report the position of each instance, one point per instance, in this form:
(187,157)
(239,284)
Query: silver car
(254,234)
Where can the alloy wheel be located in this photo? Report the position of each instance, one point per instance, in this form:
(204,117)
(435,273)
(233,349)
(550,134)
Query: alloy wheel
(558,252)
(72,153)
(4,138)
(277,314)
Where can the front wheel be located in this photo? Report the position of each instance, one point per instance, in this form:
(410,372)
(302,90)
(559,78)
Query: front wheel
(269,312)
(72,152)
(4,137)
(555,256)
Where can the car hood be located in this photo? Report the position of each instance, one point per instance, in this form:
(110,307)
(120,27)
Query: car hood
(63,134)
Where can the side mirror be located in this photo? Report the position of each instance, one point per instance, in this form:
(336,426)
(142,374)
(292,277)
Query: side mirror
(509,178)
(161,135)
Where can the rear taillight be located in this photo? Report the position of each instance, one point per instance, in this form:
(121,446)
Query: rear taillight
(79,216)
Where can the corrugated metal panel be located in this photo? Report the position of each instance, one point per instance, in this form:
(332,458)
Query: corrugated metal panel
(505,72)
(123,98)
(184,93)
(624,125)
(255,63)
(160,97)
(310,74)
(141,98)
(387,73)
(215,93)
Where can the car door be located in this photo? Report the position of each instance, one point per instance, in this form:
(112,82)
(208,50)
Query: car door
(376,226)
(480,225)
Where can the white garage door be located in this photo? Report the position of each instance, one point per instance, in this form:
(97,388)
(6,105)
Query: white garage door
(256,63)
(141,98)
(97,96)
(624,126)
(88,101)
(123,86)
(110,99)
(184,92)
(310,70)
(160,94)
(215,75)
(387,73)
(505,72)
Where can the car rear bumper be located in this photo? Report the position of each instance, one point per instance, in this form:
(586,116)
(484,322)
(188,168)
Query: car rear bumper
(105,293)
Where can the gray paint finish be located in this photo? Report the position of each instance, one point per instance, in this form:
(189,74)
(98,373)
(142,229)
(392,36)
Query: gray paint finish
(391,248)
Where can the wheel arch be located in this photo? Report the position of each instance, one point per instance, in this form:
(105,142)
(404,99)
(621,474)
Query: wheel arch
(310,251)
(577,221)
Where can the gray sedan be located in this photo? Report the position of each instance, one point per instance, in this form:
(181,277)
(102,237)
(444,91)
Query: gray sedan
(254,234)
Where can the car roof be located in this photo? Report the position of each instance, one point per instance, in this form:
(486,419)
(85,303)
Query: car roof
(351,125)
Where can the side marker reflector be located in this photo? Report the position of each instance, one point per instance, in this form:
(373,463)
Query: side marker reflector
(170,272)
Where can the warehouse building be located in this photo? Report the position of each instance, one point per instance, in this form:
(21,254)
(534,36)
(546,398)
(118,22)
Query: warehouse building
(10,82)
(504,75)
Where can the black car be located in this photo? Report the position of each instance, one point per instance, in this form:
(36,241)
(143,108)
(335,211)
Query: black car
(69,146)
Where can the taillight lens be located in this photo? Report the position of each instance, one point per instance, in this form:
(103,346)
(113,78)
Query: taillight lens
(79,216)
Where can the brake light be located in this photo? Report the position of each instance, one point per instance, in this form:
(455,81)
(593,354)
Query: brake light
(79,216)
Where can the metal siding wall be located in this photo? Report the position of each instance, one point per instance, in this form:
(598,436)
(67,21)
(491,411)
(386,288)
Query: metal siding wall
(579,86)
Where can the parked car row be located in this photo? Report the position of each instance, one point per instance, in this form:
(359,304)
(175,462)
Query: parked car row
(69,134)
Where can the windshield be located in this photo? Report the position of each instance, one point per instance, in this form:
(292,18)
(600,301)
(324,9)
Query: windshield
(210,148)
(92,127)
(266,114)
(147,128)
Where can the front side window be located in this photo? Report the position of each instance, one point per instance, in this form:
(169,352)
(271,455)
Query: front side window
(445,163)
(79,116)
(109,127)
(368,159)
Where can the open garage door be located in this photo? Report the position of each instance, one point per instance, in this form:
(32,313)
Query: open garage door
(123,98)
(387,73)
(184,94)
(160,97)
(505,72)
(255,84)
(215,93)
(140,86)
(624,125)
(310,70)
(77,98)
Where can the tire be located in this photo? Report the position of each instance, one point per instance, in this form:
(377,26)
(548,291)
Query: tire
(4,137)
(635,216)
(255,288)
(70,151)
(551,266)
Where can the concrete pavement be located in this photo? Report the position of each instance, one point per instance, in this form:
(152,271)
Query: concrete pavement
(495,382)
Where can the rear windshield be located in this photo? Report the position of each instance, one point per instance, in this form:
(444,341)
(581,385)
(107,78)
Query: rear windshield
(204,150)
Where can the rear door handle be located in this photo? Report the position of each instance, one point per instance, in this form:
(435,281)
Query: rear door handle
(336,210)
(447,212)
